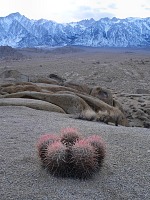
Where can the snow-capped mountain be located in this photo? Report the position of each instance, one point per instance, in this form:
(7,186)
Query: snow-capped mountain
(18,31)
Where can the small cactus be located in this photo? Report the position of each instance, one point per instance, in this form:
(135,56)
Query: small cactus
(56,159)
(99,146)
(43,143)
(69,136)
(83,160)
(71,156)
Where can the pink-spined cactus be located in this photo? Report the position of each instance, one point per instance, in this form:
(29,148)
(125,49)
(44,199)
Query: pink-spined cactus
(70,155)
(100,147)
(69,136)
(83,159)
(56,159)
(43,142)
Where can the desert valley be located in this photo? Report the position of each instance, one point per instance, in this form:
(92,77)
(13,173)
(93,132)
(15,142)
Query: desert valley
(105,80)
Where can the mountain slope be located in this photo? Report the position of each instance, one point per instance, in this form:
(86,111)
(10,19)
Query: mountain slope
(18,31)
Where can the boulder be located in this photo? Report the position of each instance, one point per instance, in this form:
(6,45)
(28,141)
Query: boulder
(31,103)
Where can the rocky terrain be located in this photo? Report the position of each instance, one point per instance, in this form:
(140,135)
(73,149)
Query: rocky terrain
(7,52)
(124,72)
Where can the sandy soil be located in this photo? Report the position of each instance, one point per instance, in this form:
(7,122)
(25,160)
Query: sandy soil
(125,174)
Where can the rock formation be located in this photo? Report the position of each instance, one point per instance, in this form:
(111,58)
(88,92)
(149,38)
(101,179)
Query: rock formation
(80,101)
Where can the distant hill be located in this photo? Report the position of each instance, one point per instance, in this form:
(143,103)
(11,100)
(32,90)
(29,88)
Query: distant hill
(9,52)
(18,31)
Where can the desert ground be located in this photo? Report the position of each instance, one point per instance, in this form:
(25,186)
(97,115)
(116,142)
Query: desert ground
(120,69)
(125,174)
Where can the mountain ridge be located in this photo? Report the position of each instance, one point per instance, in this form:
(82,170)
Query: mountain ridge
(19,31)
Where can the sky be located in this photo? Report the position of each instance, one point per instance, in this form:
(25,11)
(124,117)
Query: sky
(63,11)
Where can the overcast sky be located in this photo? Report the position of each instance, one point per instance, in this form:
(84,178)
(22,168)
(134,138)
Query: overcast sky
(75,10)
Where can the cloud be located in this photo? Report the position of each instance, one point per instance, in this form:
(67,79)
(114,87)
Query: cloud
(75,10)
(87,12)
(145,7)
(112,6)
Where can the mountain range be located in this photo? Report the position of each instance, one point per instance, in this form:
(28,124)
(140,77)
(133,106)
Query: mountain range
(16,30)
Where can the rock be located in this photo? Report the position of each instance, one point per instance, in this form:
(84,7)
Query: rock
(18,87)
(146,124)
(43,80)
(14,74)
(57,78)
(56,94)
(55,88)
(102,94)
(82,105)
(79,87)
(31,103)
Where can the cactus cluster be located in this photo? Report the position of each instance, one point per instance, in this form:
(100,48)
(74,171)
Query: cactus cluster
(71,155)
